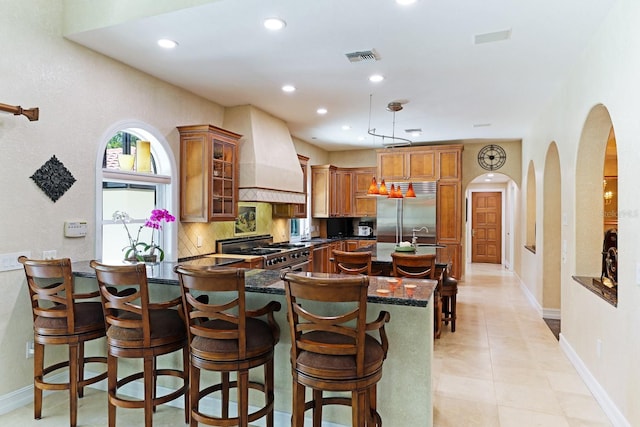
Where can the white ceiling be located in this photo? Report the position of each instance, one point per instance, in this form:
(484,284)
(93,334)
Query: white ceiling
(447,83)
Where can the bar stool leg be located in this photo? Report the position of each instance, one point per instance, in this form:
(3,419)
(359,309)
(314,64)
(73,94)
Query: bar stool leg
(317,408)
(73,384)
(38,369)
(149,390)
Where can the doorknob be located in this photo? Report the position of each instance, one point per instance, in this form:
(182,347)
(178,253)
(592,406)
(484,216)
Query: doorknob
(473,232)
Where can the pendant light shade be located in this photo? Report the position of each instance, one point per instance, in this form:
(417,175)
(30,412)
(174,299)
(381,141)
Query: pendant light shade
(410,192)
(373,188)
(383,189)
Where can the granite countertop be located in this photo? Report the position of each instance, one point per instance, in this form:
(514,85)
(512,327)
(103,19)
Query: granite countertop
(382,290)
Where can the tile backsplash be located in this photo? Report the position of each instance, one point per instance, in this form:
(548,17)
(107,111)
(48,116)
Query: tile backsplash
(209,232)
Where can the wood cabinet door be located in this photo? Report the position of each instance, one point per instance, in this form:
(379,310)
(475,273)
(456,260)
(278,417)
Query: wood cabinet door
(194,183)
(320,192)
(448,214)
(362,178)
(344,192)
(300,209)
(391,165)
(422,165)
(365,206)
(319,258)
(351,245)
(450,164)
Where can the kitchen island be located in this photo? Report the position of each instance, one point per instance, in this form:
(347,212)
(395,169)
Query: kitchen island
(407,368)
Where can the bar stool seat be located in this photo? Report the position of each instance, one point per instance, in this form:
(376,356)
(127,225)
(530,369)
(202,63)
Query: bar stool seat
(60,317)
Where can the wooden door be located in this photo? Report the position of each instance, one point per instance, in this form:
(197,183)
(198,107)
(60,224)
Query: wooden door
(486,233)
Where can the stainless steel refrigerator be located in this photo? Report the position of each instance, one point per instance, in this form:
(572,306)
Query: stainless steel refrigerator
(397,218)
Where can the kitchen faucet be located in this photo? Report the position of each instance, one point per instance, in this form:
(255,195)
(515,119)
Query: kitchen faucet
(414,238)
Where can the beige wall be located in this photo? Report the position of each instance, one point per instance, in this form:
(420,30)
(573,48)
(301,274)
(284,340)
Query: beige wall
(607,75)
(80,94)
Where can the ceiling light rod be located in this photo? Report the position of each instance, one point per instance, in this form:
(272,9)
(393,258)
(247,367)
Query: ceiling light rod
(393,107)
(31,113)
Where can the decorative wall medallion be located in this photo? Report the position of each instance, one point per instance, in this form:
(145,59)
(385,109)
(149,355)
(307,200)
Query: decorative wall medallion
(53,178)
(492,157)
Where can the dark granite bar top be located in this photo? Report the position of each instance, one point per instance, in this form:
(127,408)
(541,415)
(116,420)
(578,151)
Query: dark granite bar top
(382,290)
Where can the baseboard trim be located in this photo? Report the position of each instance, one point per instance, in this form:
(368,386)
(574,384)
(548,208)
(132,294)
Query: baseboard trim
(551,313)
(608,406)
(24,396)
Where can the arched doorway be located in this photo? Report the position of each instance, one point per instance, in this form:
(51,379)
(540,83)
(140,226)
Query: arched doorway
(553,250)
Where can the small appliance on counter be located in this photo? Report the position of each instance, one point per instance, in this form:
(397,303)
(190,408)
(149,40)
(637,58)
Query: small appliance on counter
(365,229)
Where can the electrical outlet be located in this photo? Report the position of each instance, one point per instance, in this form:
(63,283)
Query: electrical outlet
(199,240)
(30,349)
(52,254)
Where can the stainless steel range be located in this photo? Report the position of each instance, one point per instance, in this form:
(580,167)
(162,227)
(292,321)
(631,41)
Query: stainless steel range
(277,256)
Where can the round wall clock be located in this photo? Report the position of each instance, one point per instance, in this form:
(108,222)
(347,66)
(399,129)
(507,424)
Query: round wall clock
(492,157)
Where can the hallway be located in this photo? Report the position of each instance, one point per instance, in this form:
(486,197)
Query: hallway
(503,367)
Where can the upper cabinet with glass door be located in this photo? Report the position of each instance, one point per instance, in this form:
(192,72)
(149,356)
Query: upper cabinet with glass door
(208,173)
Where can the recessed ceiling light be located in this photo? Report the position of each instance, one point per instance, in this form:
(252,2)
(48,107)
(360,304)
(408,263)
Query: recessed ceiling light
(321,111)
(274,24)
(167,43)
(288,88)
(346,127)
(487,179)
(405,2)
(490,175)
(376,78)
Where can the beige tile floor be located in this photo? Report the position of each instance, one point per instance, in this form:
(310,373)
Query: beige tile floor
(501,368)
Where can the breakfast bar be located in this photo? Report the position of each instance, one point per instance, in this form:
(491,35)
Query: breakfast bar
(408,366)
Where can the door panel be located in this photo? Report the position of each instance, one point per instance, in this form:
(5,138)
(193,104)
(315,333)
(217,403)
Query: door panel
(486,234)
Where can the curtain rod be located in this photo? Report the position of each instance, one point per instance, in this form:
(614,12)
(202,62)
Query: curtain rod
(16,110)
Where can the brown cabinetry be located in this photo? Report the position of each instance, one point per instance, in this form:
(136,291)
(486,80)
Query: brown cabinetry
(331,192)
(341,192)
(364,206)
(401,165)
(441,163)
(344,193)
(208,173)
(300,209)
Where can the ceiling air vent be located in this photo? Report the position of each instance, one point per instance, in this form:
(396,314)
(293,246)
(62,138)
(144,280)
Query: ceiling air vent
(363,55)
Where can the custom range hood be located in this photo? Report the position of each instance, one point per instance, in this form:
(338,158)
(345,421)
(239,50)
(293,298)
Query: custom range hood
(269,170)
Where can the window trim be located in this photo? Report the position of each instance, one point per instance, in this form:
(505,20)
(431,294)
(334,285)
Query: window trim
(166,170)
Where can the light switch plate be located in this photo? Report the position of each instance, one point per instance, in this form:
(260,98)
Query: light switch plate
(10,261)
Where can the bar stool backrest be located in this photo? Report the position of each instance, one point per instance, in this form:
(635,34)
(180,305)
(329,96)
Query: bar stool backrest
(50,284)
(414,266)
(125,297)
(352,262)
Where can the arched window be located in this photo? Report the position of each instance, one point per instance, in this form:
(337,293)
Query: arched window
(135,175)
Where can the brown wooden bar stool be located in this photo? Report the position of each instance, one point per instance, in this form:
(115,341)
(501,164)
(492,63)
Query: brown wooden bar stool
(225,337)
(137,328)
(353,263)
(421,267)
(330,349)
(59,318)
(449,292)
